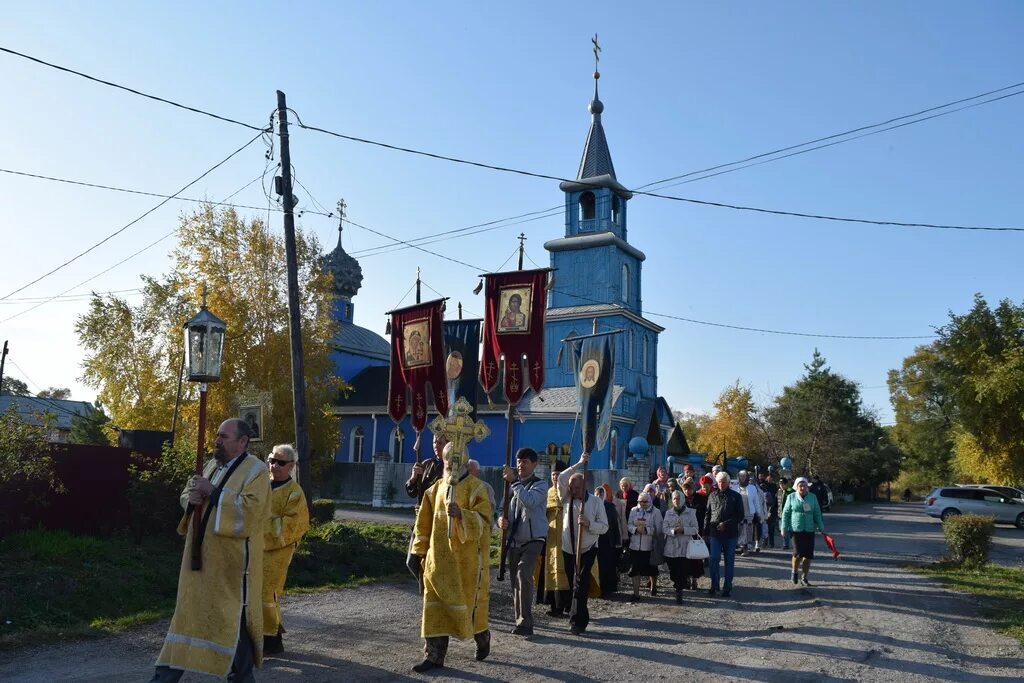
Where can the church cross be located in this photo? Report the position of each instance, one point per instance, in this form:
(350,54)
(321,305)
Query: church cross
(597,51)
(536,370)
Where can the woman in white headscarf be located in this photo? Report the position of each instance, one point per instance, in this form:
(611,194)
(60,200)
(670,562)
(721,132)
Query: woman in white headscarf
(801,516)
(644,528)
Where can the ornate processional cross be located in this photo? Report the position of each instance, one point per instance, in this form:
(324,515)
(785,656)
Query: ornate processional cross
(459,429)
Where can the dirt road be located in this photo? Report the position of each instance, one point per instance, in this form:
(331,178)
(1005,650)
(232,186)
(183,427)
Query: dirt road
(865,619)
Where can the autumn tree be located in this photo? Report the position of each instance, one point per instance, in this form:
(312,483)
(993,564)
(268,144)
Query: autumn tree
(691,424)
(732,427)
(982,362)
(134,352)
(93,427)
(925,415)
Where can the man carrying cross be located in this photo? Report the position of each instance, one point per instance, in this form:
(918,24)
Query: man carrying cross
(452,544)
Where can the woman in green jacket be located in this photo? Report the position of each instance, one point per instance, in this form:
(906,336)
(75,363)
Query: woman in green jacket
(801,517)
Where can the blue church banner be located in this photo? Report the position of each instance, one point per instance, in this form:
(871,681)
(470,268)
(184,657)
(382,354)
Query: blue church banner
(594,365)
(462,360)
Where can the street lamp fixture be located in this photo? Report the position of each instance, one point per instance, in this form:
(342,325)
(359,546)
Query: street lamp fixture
(204,351)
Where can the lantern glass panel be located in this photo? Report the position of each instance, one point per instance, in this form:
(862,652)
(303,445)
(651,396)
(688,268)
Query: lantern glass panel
(216,352)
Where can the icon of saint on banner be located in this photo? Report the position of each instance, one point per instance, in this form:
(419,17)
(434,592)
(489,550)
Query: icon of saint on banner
(589,373)
(514,305)
(416,343)
(253,416)
(453,366)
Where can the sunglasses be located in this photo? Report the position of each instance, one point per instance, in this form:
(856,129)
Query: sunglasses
(275,461)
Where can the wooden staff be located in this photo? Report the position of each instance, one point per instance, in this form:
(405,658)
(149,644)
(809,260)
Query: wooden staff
(505,504)
(197,511)
(579,540)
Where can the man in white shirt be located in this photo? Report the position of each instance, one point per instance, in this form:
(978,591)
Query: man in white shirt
(586,520)
(754,513)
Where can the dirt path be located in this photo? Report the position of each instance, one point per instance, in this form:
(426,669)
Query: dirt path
(864,620)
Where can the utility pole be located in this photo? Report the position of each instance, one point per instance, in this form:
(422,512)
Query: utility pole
(3,361)
(294,320)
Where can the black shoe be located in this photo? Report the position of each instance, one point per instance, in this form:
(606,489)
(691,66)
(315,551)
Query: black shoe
(272,645)
(805,582)
(727,592)
(426,665)
(712,591)
(796,578)
(484,650)
(654,590)
(679,597)
(522,631)
(555,613)
(576,630)
(633,599)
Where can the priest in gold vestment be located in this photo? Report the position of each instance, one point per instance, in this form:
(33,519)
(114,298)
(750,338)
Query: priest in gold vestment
(456,565)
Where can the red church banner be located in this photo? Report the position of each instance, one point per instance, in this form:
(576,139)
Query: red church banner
(417,362)
(514,328)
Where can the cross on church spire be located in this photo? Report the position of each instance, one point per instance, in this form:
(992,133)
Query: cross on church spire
(341,218)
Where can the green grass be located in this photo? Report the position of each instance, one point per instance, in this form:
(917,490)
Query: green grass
(1000,589)
(59,586)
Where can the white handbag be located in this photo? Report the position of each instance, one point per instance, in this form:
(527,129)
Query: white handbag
(696,549)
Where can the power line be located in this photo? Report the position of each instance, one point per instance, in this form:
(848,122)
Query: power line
(676,317)
(107,270)
(50,402)
(136,220)
(736,207)
(127,89)
(842,134)
(68,297)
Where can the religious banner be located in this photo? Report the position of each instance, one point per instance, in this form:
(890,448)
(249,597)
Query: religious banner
(514,328)
(417,362)
(462,360)
(595,373)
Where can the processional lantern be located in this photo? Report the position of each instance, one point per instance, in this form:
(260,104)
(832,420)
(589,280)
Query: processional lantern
(204,345)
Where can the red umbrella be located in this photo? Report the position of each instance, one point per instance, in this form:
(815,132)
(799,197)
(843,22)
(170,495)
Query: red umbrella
(831,543)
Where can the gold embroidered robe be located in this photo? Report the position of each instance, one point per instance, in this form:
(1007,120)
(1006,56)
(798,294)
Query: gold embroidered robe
(288,522)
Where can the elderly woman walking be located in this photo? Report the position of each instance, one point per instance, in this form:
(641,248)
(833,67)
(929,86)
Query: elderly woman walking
(801,516)
(644,528)
(680,529)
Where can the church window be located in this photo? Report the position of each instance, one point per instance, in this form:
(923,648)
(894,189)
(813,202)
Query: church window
(397,444)
(588,206)
(615,209)
(355,446)
(643,349)
(565,452)
(625,283)
(631,355)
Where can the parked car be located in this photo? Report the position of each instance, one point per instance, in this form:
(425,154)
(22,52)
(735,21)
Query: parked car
(945,502)
(1008,491)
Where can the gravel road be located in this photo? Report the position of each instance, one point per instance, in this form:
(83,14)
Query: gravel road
(865,619)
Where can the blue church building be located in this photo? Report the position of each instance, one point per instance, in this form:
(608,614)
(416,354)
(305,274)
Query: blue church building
(598,281)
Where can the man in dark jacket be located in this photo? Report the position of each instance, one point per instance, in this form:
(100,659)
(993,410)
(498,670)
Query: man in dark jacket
(771,501)
(722,520)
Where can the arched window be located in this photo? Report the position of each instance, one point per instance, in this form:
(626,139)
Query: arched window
(625,283)
(615,209)
(643,350)
(397,444)
(355,445)
(631,354)
(565,452)
(587,206)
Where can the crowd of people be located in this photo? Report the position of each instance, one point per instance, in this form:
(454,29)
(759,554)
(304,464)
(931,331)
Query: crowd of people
(563,546)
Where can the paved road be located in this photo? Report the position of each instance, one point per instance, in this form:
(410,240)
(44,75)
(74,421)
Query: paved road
(902,533)
(865,619)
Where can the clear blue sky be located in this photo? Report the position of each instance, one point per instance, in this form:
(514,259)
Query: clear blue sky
(685,86)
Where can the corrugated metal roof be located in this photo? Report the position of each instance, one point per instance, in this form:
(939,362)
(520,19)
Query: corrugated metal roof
(557,400)
(30,408)
(361,342)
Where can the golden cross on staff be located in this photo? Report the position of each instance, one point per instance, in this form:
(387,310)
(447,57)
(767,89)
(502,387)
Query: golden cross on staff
(460,429)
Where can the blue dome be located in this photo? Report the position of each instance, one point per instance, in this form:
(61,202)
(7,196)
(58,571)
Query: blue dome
(638,446)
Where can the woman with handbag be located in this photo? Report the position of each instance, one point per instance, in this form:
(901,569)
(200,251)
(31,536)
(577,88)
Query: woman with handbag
(680,529)
(695,560)
(644,531)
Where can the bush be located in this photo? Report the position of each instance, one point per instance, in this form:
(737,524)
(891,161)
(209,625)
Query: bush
(969,537)
(28,479)
(336,554)
(156,484)
(323,510)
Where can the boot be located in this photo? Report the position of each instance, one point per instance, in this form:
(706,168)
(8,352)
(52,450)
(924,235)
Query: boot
(679,596)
